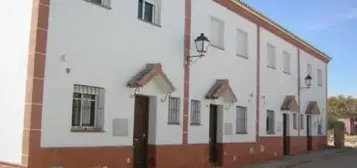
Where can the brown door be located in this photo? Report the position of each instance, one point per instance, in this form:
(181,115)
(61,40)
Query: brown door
(286,138)
(308,132)
(141,124)
(213,149)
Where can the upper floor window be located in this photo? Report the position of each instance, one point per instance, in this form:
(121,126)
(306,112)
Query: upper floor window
(87,108)
(309,69)
(195,112)
(174,111)
(149,11)
(271,51)
(217,33)
(286,62)
(319,77)
(242,43)
(241,125)
(104,3)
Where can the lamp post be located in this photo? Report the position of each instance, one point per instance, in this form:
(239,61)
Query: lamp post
(202,43)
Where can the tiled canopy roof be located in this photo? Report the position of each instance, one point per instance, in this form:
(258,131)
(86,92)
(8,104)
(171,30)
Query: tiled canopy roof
(312,108)
(219,89)
(290,104)
(149,73)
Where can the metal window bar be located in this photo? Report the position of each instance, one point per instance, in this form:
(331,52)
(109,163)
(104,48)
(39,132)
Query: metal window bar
(174,111)
(241,126)
(195,112)
(301,121)
(294,121)
(88,107)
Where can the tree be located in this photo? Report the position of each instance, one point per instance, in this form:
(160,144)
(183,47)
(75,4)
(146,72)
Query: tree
(341,107)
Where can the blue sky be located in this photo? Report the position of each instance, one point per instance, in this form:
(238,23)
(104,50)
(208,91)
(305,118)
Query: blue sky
(329,25)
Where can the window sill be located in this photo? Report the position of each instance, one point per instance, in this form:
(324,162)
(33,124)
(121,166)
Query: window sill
(242,56)
(215,46)
(241,133)
(87,131)
(271,67)
(288,73)
(151,23)
(270,133)
(196,124)
(173,124)
(106,7)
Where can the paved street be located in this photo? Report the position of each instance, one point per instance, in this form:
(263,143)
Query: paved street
(329,158)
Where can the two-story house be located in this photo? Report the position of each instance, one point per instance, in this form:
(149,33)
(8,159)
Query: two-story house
(90,83)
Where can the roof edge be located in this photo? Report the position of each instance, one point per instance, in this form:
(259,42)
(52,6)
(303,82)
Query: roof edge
(273,23)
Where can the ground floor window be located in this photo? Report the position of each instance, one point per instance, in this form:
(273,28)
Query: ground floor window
(270,122)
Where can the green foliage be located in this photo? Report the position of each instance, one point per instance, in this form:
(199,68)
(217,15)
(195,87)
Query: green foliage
(341,107)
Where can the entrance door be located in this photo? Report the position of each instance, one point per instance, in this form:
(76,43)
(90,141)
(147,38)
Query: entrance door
(308,132)
(286,138)
(213,149)
(141,124)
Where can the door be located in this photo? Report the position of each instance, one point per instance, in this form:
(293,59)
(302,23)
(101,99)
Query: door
(214,146)
(140,138)
(286,138)
(308,132)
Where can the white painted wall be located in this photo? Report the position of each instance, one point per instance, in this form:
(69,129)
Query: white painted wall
(106,48)
(275,85)
(14,32)
(223,64)
(315,93)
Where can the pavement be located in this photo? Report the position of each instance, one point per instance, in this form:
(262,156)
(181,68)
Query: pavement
(327,158)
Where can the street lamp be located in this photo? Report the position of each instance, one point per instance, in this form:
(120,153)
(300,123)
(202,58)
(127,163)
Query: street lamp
(307,79)
(202,43)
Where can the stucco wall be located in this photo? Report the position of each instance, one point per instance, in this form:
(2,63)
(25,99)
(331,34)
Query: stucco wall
(106,48)
(315,93)
(14,32)
(275,85)
(223,64)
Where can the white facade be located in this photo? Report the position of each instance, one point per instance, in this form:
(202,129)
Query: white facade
(223,64)
(315,93)
(14,32)
(275,84)
(105,48)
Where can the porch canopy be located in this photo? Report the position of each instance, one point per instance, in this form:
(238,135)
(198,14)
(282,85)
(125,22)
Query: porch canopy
(312,108)
(221,89)
(152,72)
(290,104)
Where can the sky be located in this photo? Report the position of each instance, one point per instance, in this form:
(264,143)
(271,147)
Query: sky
(329,25)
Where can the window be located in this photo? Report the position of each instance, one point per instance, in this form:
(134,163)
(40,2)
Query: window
(302,121)
(286,63)
(104,3)
(295,121)
(87,108)
(242,43)
(217,33)
(271,56)
(309,69)
(195,112)
(270,127)
(174,111)
(149,11)
(241,125)
(319,77)
(319,126)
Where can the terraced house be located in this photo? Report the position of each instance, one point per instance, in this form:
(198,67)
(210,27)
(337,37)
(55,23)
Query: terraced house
(154,84)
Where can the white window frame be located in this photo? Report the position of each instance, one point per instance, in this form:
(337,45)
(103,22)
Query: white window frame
(156,13)
(103,3)
(295,121)
(174,111)
(319,77)
(241,117)
(219,34)
(286,62)
(242,43)
(195,118)
(85,115)
(270,127)
(271,59)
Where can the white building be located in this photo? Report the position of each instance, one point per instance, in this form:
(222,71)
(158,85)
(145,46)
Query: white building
(110,83)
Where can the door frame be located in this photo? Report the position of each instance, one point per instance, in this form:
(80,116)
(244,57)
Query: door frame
(141,141)
(214,154)
(286,137)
